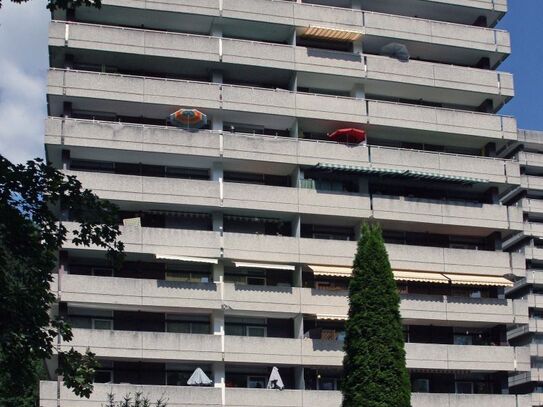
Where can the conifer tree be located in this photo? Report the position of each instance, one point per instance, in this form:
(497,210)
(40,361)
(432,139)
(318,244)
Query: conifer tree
(375,373)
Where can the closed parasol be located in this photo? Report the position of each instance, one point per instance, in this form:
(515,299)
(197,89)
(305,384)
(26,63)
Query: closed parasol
(275,381)
(188,118)
(350,135)
(199,378)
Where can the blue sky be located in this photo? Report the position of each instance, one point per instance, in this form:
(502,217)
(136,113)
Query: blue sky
(23,68)
(524,21)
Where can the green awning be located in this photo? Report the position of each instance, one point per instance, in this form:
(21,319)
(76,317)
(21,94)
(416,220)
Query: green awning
(429,176)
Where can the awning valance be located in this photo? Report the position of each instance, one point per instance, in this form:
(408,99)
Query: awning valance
(467,279)
(329,33)
(420,276)
(331,317)
(264,266)
(187,259)
(334,271)
(429,176)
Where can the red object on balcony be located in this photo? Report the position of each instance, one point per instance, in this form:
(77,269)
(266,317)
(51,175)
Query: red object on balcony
(351,135)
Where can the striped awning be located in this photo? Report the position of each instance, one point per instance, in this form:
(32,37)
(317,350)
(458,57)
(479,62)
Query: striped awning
(330,33)
(271,266)
(420,276)
(186,259)
(331,317)
(429,176)
(469,279)
(334,271)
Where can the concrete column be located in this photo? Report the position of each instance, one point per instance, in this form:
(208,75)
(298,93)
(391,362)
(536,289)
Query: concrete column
(295,178)
(65,156)
(217,172)
(297,276)
(299,381)
(217,322)
(299,326)
(217,219)
(294,129)
(358,92)
(216,77)
(357,5)
(293,35)
(296,226)
(357,47)
(363,186)
(217,123)
(216,30)
(218,273)
(219,374)
(293,84)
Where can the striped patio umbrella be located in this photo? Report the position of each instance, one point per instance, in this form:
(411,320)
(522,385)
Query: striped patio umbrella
(188,118)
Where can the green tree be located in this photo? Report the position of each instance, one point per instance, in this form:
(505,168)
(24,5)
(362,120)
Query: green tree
(375,374)
(31,234)
(64,4)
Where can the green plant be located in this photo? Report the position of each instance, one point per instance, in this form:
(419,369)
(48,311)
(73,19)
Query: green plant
(375,373)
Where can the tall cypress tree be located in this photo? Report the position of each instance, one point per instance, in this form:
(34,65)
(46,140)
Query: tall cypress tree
(375,374)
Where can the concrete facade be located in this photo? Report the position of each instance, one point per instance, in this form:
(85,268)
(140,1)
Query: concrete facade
(240,235)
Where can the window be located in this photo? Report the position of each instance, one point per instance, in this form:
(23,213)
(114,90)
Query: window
(421,386)
(102,324)
(256,331)
(103,376)
(187,276)
(188,324)
(464,387)
(328,383)
(256,382)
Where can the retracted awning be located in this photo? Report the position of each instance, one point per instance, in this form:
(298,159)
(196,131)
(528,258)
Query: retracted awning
(420,276)
(264,266)
(331,317)
(329,33)
(467,279)
(187,258)
(334,271)
(429,176)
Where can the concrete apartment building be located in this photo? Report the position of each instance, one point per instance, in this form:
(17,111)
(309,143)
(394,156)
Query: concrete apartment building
(240,235)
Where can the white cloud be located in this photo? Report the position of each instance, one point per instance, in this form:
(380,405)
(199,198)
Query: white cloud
(23,69)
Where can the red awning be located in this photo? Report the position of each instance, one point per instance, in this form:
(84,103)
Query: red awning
(348,136)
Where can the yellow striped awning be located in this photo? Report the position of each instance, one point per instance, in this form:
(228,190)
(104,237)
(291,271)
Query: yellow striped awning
(420,276)
(329,33)
(469,279)
(334,271)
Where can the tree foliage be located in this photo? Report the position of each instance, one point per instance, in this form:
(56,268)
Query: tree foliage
(375,373)
(64,4)
(31,234)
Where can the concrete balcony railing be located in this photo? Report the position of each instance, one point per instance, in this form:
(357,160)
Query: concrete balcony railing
(533,206)
(160,295)
(531,182)
(168,140)
(136,292)
(173,347)
(147,345)
(376,25)
(281,249)
(150,190)
(533,253)
(533,229)
(530,159)
(239,397)
(165,92)
(175,395)
(251,53)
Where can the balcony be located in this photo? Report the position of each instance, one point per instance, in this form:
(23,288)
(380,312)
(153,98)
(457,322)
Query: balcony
(147,345)
(237,397)
(158,95)
(168,141)
(450,79)
(533,206)
(163,346)
(155,295)
(530,159)
(531,182)
(377,27)
(281,249)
